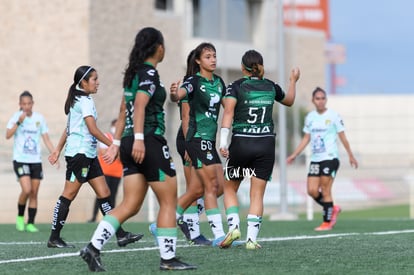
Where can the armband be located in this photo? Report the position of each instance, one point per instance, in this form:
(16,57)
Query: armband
(139,136)
(116,142)
(224,136)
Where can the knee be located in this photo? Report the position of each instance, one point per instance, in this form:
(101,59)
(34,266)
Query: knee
(314,193)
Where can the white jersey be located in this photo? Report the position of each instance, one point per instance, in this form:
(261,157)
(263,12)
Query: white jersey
(323,130)
(79,139)
(27,147)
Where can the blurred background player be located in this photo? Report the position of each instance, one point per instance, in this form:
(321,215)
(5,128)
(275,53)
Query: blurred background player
(27,127)
(322,126)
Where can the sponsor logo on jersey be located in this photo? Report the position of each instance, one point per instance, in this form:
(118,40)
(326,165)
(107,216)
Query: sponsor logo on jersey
(151,72)
(146,82)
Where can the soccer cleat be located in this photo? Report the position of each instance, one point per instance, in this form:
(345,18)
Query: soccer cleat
(252,245)
(230,237)
(184,228)
(20,223)
(218,241)
(175,264)
(59,243)
(200,240)
(153,230)
(31,228)
(92,258)
(336,210)
(129,238)
(325,226)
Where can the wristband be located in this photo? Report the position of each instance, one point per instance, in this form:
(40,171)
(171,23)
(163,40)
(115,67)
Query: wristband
(116,142)
(139,136)
(224,136)
(18,123)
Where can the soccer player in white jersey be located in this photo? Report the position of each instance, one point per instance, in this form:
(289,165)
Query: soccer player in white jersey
(82,165)
(322,127)
(27,128)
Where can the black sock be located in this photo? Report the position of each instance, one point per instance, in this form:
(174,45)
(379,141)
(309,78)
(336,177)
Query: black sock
(20,209)
(327,211)
(32,215)
(106,206)
(60,214)
(319,199)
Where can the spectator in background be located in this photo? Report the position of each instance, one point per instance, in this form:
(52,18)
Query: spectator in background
(27,127)
(112,172)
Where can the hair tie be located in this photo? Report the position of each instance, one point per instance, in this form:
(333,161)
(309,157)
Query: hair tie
(247,68)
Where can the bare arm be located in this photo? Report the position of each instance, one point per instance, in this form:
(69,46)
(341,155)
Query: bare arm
(176,93)
(291,94)
(54,155)
(10,132)
(185,117)
(345,143)
(303,143)
(94,130)
(112,151)
(138,149)
(48,142)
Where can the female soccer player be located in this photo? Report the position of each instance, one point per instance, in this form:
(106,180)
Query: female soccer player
(322,126)
(204,91)
(81,135)
(27,127)
(144,153)
(248,109)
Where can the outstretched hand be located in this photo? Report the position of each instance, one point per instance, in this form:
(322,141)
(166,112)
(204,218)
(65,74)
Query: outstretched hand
(174,91)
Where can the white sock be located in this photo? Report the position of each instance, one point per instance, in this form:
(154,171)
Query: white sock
(193,223)
(167,242)
(253,227)
(214,219)
(102,234)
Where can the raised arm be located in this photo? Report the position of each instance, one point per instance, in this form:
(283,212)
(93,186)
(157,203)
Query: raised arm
(291,93)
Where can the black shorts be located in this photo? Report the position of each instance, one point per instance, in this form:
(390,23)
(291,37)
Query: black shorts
(34,170)
(157,162)
(250,156)
(202,152)
(180,144)
(323,168)
(82,168)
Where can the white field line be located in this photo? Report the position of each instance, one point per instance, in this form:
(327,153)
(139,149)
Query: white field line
(290,238)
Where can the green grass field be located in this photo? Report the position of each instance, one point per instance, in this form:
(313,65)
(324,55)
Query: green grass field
(374,241)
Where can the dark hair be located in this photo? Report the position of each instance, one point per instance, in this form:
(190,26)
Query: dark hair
(318,89)
(192,69)
(252,61)
(191,61)
(82,73)
(24,94)
(147,41)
